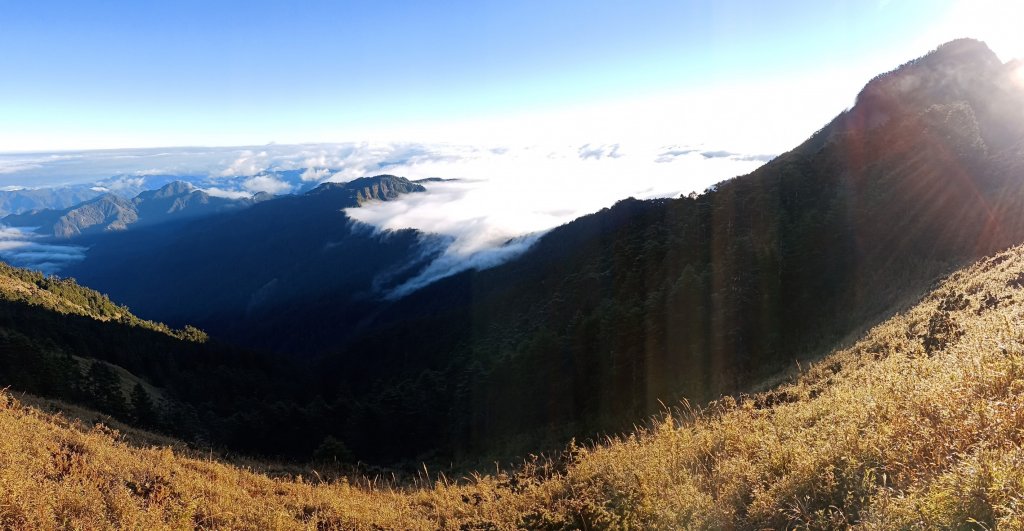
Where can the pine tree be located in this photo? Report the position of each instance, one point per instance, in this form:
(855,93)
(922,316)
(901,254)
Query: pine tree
(104,387)
(143,411)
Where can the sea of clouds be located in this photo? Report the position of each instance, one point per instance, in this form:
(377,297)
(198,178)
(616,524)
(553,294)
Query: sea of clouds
(20,247)
(496,200)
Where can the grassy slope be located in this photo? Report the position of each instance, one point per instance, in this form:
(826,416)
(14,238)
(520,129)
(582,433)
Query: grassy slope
(918,425)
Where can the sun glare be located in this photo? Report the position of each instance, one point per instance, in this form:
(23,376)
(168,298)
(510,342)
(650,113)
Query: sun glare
(1018,73)
(998,23)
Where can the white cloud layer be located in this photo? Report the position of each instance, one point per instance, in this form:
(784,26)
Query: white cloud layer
(247,163)
(19,248)
(504,198)
(268,184)
(500,198)
(229,194)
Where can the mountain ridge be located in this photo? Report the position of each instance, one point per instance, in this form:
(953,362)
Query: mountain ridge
(377,188)
(110,212)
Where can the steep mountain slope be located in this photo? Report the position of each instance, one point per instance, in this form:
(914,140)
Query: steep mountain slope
(109,212)
(64,296)
(281,274)
(915,426)
(648,301)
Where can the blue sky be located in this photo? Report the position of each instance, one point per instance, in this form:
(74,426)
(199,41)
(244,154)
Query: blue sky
(123,74)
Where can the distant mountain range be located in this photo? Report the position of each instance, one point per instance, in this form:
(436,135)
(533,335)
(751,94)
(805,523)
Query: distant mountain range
(109,212)
(27,199)
(72,211)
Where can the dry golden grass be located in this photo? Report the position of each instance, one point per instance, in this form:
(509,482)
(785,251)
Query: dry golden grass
(919,425)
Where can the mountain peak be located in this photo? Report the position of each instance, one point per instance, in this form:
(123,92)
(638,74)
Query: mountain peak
(175,188)
(964,49)
(963,77)
(363,189)
(950,72)
(172,189)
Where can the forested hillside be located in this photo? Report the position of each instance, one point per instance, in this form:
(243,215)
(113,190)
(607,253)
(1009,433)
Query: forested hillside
(60,340)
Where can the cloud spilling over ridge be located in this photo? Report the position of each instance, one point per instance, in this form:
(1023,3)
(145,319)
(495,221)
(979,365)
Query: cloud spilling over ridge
(450,263)
(19,248)
(504,199)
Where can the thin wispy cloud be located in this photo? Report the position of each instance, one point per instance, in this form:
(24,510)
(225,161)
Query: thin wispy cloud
(228,194)
(20,247)
(120,184)
(722,154)
(671,153)
(588,151)
(247,163)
